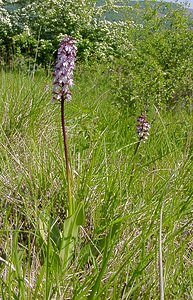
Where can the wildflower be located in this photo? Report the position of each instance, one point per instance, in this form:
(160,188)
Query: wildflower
(63,73)
(143,127)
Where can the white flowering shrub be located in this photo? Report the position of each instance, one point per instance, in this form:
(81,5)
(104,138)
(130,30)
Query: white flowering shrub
(5,30)
(5,21)
(37,27)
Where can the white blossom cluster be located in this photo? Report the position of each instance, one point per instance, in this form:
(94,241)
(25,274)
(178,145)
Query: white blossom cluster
(5,20)
(83,19)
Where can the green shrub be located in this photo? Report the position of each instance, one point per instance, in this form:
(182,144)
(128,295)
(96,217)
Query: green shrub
(158,70)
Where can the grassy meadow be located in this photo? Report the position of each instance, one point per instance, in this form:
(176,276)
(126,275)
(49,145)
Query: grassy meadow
(138,206)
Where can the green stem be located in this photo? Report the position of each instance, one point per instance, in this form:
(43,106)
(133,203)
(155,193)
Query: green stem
(133,164)
(68,171)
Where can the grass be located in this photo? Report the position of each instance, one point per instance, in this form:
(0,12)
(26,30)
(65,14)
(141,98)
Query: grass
(117,253)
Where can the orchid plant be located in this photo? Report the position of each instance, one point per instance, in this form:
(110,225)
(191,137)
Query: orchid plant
(63,80)
(63,242)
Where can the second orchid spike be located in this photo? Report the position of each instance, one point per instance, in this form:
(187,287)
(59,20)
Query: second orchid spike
(143,127)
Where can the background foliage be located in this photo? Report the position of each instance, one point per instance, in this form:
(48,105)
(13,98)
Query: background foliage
(147,45)
(102,28)
(158,69)
(38,27)
(132,57)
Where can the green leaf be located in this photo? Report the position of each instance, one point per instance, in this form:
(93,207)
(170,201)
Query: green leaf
(70,234)
(43,230)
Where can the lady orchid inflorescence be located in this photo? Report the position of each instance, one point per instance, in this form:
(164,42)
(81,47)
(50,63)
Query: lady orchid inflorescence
(143,127)
(63,73)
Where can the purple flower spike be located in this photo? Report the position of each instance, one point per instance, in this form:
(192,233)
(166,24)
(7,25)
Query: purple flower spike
(143,127)
(63,73)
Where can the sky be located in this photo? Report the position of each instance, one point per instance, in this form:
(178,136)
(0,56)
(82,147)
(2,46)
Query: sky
(189,1)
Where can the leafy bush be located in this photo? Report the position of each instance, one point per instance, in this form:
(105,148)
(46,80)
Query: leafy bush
(158,70)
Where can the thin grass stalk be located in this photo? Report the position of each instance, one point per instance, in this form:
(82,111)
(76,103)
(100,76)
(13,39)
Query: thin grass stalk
(161,275)
(47,263)
(106,257)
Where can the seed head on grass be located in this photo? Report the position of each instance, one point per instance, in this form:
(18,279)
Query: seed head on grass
(63,73)
(143,127)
